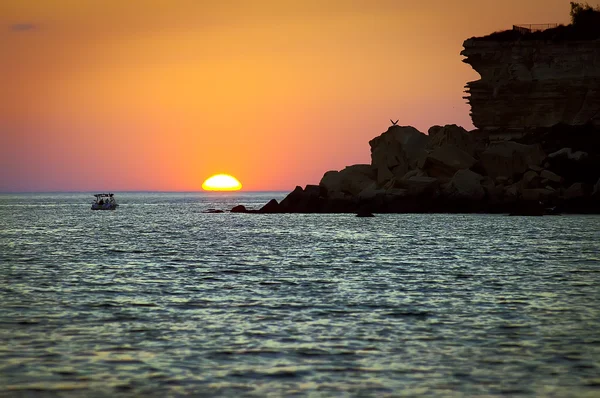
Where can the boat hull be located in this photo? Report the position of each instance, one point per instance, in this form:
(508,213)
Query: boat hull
(105,206)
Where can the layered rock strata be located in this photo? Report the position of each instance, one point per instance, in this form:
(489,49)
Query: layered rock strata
(528,84)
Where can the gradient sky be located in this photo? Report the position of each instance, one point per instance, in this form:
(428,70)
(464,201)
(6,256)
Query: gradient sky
(160,94)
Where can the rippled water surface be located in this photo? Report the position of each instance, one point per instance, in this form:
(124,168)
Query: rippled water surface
(160,299)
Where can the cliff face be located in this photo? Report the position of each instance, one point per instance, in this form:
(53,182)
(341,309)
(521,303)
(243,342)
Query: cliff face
(533,83)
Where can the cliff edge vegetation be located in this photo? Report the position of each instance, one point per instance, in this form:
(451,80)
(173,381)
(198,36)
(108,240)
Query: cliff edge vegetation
(537,79)
(585,25)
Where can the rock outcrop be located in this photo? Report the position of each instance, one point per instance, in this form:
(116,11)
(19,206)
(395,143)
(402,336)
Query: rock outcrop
(527,84)
(446,173)
(510,158)
(397,151)
(349,181)
(536,150)
(465,185)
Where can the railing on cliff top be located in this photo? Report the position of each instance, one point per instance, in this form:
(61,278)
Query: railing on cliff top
(528,28)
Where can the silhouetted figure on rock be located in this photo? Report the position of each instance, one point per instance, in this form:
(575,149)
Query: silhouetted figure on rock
(394,123)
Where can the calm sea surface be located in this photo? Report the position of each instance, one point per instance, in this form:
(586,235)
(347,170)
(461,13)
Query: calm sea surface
(160,299)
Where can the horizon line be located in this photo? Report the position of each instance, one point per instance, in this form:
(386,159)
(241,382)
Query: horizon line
(144,191)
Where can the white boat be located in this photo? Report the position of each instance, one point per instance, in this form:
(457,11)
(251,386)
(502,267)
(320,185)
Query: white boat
(104,201)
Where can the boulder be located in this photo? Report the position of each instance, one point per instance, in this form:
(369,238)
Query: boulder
(576,166)
(575,191)
(596,192)
(272,206)
(351,180)
(418,186)
(465,185)
(392,184)
(396,192)
(527,208)
(397,150)
(512,192)
(488,182)
(537,169)
(433,130)
(383,175)
(314,190)
(239,209)
(531,179)
(536,194)
(502,180)
(453,135)
(444,161)
(510,158)
(568,153)
(414,173)
(308,200)
(550,176)
(363,212)
(292,199)
(494,194)
(371,192)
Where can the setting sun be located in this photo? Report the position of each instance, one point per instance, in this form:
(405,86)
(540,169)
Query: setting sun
(222,182)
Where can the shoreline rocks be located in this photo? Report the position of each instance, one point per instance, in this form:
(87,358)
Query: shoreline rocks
(454,171)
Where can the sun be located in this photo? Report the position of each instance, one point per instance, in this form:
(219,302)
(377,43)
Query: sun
(221,182)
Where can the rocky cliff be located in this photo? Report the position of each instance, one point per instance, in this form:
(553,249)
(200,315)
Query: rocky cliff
(533,83)
(543,86)
(453,170)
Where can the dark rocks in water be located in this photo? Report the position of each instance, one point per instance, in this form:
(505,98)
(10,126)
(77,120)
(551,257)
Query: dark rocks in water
(596,191)
(364,213)
(545,171)
(311,199)
(552,211)
(271,207)
(239,209)
(528,209)
(212,211)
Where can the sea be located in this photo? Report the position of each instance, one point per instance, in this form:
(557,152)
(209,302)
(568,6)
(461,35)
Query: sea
(160,299)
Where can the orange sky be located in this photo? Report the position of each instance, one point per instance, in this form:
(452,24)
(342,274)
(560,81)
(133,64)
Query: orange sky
(160,94)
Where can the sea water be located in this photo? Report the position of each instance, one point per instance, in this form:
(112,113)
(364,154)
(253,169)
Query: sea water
(160,299)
